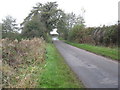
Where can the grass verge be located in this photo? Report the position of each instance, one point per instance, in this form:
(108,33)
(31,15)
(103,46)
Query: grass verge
(56,73)
(104,51)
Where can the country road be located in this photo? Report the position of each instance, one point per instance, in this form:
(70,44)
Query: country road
(93,70)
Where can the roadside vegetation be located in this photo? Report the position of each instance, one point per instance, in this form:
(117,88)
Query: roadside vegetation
(100,36)
(22,62)
(33,64)
(100,50)
(56,73)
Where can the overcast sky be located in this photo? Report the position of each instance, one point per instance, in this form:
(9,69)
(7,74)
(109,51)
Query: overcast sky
(98,12)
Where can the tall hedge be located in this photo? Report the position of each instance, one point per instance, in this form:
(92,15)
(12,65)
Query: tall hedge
(106,35)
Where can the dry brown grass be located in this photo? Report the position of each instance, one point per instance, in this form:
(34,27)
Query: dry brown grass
(21,62)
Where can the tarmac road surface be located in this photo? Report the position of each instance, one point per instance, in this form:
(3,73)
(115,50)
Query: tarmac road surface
(93,70)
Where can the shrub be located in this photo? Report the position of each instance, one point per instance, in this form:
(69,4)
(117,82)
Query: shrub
(21,62)
(106,35)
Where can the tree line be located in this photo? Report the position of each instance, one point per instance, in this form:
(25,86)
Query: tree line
(43,18)
(103,36)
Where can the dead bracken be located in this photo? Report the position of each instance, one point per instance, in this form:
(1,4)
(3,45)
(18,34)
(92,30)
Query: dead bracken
(21,61)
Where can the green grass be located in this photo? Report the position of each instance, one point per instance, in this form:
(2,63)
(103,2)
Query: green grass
(60,38)
(56,73)
(104,51)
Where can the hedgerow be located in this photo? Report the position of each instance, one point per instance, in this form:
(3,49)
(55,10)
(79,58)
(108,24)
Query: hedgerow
(22,62)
